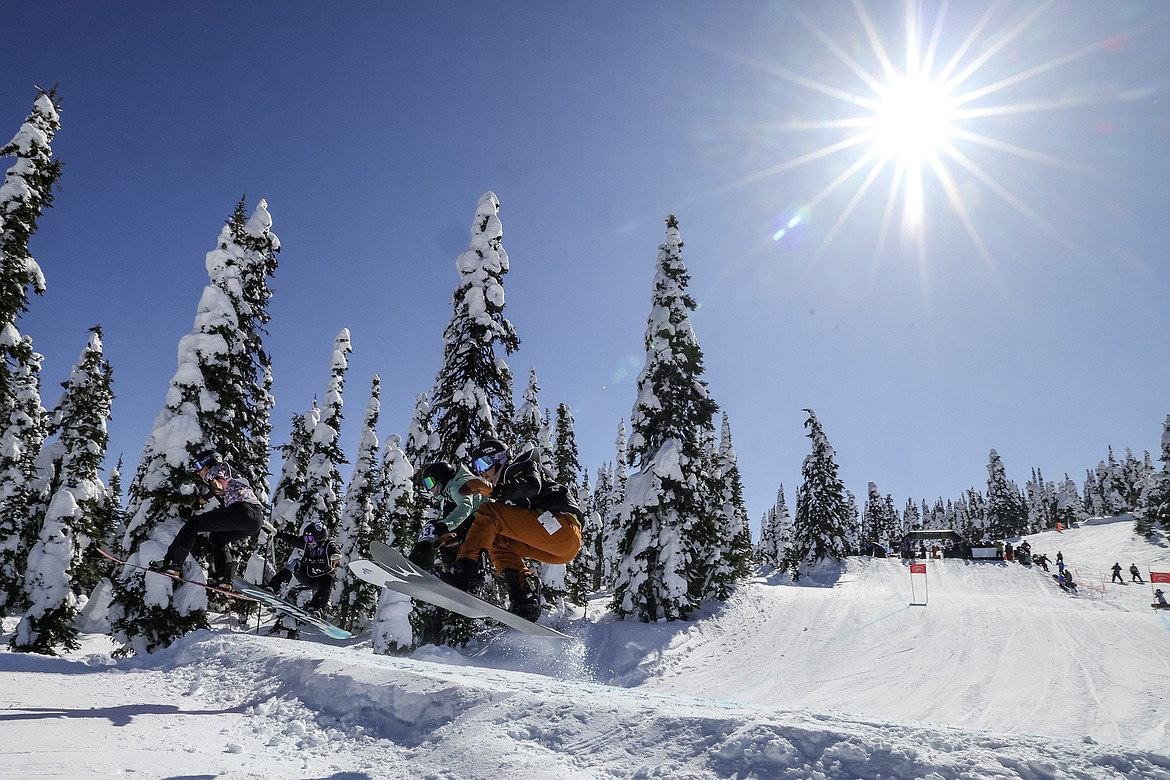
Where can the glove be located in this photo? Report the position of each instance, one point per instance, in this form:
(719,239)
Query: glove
(477,485)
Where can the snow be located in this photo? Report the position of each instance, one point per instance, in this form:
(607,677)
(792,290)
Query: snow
(1000,675)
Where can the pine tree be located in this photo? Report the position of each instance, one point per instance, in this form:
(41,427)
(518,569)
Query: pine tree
(610,510)
(821,527)
(735,559)
(26,192)
(472,398)
(775,533)
(666,506)
(1153,510)
(62,566)
(322,497)
(569,580)
(1007,512)
(529,426)
(391,630)
(211,404)
(361,522)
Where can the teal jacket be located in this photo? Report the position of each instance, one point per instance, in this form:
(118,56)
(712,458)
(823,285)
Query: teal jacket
(465,506)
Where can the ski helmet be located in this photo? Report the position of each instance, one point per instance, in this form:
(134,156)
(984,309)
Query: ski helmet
(314,531)
(205,459)
(486,454)
(435,477)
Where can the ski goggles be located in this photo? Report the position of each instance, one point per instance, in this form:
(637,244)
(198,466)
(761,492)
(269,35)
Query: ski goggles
(431,484)
(485,462)
(308,538)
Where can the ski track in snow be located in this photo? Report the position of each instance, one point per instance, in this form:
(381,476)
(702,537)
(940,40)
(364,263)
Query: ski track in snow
(1000,675)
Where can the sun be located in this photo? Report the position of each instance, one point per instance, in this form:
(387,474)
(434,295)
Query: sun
(918,121)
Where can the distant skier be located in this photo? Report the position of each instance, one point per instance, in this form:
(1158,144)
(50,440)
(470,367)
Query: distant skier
(1117,573)
(1160,599)
(314,569)
(530,516)
(1135,574)
(238,517)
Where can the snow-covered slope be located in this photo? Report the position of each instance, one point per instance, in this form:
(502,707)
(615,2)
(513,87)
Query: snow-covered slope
(1001,674)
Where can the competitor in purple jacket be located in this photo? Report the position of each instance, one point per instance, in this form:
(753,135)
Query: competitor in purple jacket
(238,517)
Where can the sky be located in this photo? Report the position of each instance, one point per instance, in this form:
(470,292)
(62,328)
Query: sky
(943,242)
(999,675)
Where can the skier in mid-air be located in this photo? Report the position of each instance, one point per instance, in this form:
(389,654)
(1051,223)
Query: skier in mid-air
(238,517)
(315,566)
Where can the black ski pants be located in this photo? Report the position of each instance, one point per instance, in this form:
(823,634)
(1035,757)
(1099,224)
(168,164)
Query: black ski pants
(223,526)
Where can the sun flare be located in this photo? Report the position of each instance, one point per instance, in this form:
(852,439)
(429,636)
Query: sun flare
(913,118)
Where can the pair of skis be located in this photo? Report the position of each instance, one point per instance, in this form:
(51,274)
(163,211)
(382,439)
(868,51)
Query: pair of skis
(246,591)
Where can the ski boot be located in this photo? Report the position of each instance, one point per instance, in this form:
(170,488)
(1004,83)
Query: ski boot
(464,575)
(523,594)
(166,567)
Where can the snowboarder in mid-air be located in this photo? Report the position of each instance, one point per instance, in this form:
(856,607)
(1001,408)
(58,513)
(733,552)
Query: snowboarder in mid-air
(238,517)
(459,502)
(529,515)
(314,567)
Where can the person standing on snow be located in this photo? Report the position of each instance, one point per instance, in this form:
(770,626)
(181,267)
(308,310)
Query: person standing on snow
(1135,574)
(239,516)
(1117,573)
(530,515)
(314,568)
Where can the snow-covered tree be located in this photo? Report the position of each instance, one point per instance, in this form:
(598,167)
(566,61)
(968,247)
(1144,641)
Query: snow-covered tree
(529,427)
(1069,509)
(27,190)
(667,503)
(211,403)
(775,533)
(62,564)
(1153,506)
(734,536)
(472,398)
(1007,511)
(569,580)
(361,523)
(821,527)
(391,630)
(322,497)
(879,519)
(289,496)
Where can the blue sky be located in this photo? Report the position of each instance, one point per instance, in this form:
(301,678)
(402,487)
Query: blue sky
(1022,306)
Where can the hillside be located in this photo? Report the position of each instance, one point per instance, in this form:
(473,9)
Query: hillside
(1001,674)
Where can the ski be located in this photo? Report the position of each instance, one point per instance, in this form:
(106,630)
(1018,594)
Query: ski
(176,578)
(277,604)
(390,569)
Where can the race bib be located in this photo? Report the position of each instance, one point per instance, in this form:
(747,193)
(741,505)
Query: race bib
(428,533)
(550,522)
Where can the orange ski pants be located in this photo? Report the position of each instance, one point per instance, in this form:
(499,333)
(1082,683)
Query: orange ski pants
(511,533)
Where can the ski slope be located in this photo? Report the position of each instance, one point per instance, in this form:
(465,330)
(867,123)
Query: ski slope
(1000,675)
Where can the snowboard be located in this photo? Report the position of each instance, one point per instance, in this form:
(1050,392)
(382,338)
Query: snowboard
(176,578)
(1156,605)
(390,569)
(277,604)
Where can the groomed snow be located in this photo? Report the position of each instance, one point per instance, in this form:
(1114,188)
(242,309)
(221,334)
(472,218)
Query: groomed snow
(1000,675)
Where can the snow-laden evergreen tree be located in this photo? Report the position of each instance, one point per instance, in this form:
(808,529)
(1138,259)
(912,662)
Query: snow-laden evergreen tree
(734,531)
(775,533)
(820,529)
(391,630)
(27,190)
(530,427)
(601,507)
(1007,512)
(911,519)
(212,403)
(610,510)
(62,565)
(667,499)
(853,527)
(472,398)
(321,502)
(289,495)
(113,504)
(1153,506)
(1069,510)
(573,579)
(871,516)
(361,522)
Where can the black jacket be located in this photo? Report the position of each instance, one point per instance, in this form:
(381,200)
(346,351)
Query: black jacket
(528,483)
(317,558)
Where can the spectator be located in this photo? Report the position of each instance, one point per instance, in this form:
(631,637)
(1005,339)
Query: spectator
(1135,575)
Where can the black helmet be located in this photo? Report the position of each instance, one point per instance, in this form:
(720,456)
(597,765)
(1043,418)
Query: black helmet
(314,530)
(486,454)
(434,478)
(205,459)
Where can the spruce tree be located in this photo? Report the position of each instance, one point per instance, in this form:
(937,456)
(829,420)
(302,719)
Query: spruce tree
(529,426)
(1007,512)
(62,565)
(664,520)
(26,192)
(361,522)
(472,398)
(1153,510)
(821,528)
(734,533)
(211,404)
(321,501)
(775,533)
(391,630)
